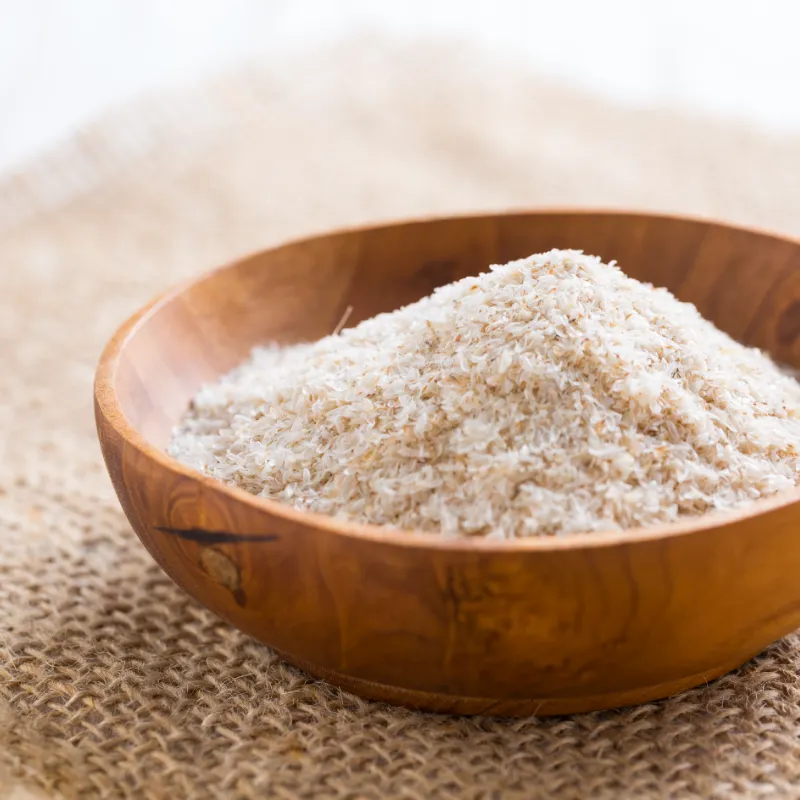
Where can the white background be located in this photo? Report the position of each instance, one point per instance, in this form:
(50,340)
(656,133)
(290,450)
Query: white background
(64,62)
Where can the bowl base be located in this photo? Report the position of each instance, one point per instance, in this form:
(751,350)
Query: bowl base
(510,706)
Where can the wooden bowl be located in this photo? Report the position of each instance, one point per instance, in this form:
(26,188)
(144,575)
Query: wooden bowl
(539,626)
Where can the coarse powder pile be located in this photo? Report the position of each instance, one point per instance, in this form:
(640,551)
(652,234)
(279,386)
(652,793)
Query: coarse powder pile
(548,396)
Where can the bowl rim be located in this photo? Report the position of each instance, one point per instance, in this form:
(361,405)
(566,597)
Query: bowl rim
(106,401)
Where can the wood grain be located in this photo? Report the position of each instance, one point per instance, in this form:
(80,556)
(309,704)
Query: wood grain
(540,626)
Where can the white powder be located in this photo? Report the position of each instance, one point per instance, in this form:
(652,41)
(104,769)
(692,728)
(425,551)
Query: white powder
(551,395)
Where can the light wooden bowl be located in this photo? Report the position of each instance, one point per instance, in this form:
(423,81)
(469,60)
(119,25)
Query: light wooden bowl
(541,626)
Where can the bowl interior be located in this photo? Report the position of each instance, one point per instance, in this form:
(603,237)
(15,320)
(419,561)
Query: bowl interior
(746,282)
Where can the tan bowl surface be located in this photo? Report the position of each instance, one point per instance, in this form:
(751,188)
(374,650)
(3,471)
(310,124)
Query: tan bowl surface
(536,626)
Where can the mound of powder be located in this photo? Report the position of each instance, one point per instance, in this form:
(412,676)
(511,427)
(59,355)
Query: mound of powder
(548,396)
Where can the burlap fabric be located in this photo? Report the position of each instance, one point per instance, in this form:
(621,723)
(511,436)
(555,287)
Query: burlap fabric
(112,682)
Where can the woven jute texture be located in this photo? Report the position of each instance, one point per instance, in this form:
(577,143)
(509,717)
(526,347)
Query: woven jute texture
(113,682)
